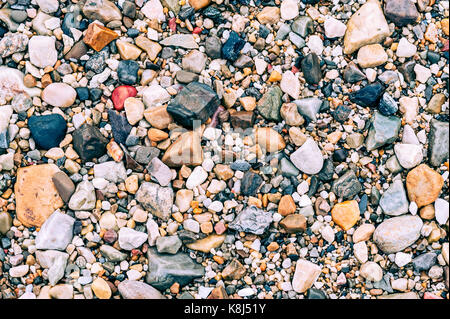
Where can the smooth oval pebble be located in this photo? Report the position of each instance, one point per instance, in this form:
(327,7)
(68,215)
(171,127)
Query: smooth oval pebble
(59,95)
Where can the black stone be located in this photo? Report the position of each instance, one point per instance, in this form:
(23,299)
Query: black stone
(129,9)
(127,71)
(310,66)
(388,105)
(195,102)
(95,94)
(231,49)
(119,126)
(186,12)
(327,171)
(368,95)
(363,204)
(401,12)
(89,142)
(347,186)
(47,130)
(250,183)
(213,13)
(433,57)
(313,185)
(340,155)
(82,93)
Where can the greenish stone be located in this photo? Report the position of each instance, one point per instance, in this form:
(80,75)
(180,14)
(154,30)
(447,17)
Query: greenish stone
(438,142)
(303,26)
(172,5)
(383,130)
(270,104)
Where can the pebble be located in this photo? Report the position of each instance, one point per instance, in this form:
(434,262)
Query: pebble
(56,232)
(306,274)
(308,158)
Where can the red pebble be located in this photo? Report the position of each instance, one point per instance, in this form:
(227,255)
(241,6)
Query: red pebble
(445,47)
(197,30)
(135,252)
(173,24)
(120,94)
(294,69)
(429,295)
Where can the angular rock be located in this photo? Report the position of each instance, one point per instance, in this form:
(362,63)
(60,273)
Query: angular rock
(401,12)
(306,274)
(206,244)
(309,107)
(64,185)
(130,239)
(360,33)
(368,95)
(56,232)
(185,41)
(252,220)
(310,66)
(42,51)
(250,183)
(164,270)
(269,105)
(346,214)
(98,36)
(408,155)
(193,105)
(269,139)
(438,149)
(294,223)
(308,158)
(84,197)
(394,201)
(347,185)
(383,130)
(156,199)
(36,195)
(89,142)
(102,10)
(186,150)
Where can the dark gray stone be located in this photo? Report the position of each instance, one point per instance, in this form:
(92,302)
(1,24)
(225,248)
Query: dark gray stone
(347,186)
(89,142)
(165,270)
(438,149)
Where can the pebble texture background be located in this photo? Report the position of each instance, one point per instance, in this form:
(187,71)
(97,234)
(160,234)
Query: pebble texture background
(264,149)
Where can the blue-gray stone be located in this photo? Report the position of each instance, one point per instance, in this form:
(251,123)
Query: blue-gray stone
(383,130)
(438,150)
(309,107)
(424,261)
(388,105)
(394,201)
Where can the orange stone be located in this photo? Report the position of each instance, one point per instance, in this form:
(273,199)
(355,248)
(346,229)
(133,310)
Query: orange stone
(423,185)
(223,171)
(36,195)
(346,214)
(156,135)
(199,4)
(218,293)
(98,36)
(286,206)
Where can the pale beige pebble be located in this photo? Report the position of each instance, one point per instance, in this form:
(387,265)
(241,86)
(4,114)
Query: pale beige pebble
(334,137)
(269,139)
(238,23)
(55,153)
(132,184)
(101,288)
(289,112)
(409,107)
(59,95)
(44,293)
(72,166)
(70,153)
(248,103)
(290,84)
(363,233)
(61,291)
(371,271)
(269,15)
(371,55)
(445,252)
(183,199)
(19,271)
(360,32)
(306,274)
(297,136)
(134,110)
(206,244)
(127,50)
(140,215)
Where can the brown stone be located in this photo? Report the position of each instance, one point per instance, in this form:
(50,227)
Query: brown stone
(77,51)
(294,223)
(199,4)
(346,214)
(127,50)
(98,36)
(64,185)
(186,150)
(234,270)
(156,135)
(218,293)
(242,119)
(427,212)
(158,117)
(152,48)
(36,195)
(223,172)
(29,81)
(286,206)
(423,185)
